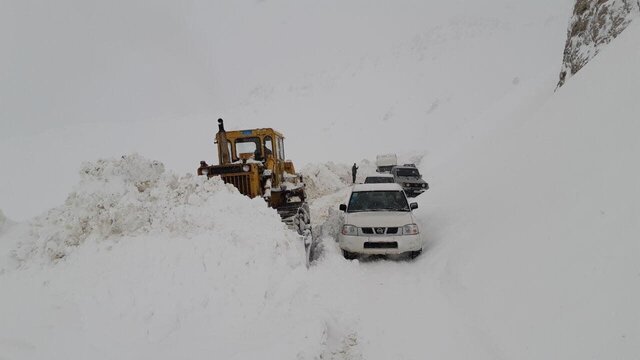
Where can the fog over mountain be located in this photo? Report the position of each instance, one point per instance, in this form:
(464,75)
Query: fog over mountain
(81,80)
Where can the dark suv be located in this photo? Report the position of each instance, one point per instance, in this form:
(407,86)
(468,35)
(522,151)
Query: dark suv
(410,179)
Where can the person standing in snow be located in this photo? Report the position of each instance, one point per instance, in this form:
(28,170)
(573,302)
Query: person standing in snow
(354,171)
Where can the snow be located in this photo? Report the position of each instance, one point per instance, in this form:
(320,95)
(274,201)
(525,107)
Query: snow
(542,230)
(154,79)
(3,220)
(531,219)
(137,258)
(320,180)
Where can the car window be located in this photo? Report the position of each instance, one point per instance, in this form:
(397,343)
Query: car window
(378,180)
(392,200)
(407,172)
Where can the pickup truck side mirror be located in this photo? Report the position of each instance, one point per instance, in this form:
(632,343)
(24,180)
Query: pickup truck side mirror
(413,206)
(343,207)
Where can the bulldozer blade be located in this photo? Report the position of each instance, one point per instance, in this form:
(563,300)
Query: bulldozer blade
(297,217)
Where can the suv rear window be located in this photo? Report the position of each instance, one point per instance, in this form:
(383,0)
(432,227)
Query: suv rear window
(378,180)
(392,200)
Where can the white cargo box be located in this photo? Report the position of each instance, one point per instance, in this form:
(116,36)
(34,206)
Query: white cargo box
(386,160)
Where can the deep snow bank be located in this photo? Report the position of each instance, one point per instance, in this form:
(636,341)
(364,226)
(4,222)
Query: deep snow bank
(142,263)
(539,220)
(323,179)
(133,196)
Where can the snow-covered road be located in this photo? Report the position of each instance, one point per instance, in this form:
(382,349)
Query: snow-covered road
(391,308)
(532,220)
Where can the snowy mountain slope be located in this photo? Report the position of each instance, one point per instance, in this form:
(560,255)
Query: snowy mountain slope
(539,221)
(85,81)
(532,232)
(532,254)
(531,221)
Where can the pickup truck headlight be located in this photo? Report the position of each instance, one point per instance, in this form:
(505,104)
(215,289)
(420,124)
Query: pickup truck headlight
(410,229)
(407,184)
(424,185)
(349,230)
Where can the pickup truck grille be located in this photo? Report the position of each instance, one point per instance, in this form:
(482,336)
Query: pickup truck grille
(381,245)
(379,230)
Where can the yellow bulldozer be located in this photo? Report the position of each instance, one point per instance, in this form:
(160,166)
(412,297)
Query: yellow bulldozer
(254,162)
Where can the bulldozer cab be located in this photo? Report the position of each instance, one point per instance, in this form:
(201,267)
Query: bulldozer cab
(254,162)
(256,145)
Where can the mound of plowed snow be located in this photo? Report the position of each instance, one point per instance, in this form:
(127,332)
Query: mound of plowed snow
(164,266)
(323,179)
(320,180)
(133,196)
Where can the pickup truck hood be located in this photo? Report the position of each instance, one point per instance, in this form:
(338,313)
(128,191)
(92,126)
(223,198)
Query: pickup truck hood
(379,219)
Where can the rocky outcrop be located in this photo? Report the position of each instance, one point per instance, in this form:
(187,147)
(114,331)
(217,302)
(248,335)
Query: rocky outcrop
(594,24)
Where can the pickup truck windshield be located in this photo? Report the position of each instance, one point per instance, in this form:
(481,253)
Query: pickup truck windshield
(378,201)
(408,172)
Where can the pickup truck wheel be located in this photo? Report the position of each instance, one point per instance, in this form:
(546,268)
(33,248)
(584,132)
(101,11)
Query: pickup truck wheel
(414,254)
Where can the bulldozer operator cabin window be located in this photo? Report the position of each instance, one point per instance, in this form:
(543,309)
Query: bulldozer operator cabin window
(281,148)
(268,146)
(247,145)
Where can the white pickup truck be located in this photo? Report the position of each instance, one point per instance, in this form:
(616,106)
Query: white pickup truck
(379,219)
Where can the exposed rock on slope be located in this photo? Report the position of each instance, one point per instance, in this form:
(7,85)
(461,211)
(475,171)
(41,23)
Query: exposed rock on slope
(594,24)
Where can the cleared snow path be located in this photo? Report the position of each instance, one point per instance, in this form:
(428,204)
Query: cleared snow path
(391,309)
(533,235)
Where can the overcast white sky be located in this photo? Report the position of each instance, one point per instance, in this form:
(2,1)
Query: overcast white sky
(85,79)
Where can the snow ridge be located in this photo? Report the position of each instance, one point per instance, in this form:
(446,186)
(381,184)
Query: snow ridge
(132,196)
